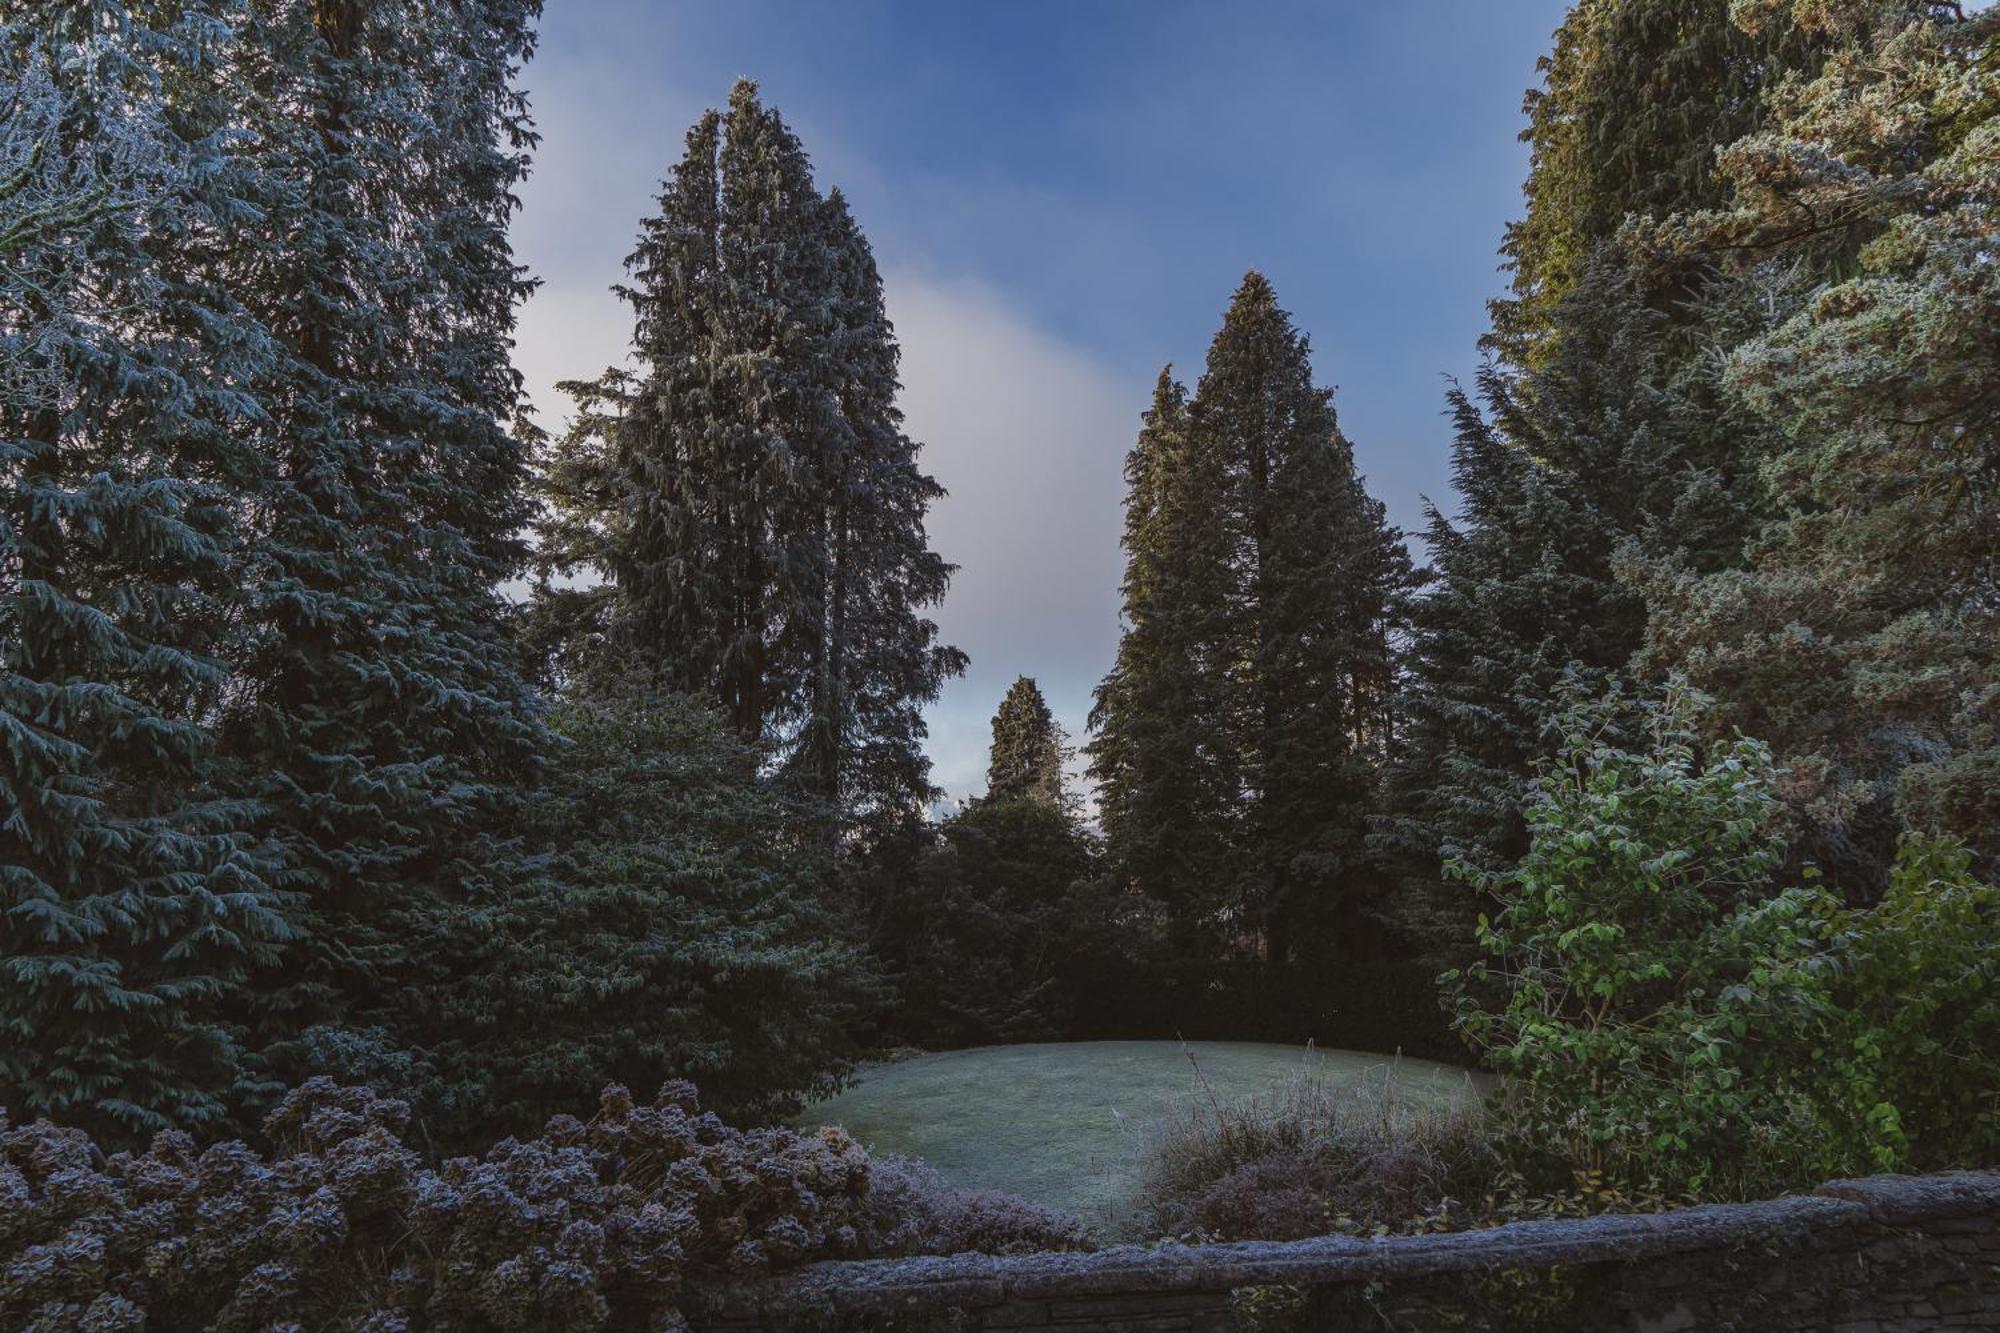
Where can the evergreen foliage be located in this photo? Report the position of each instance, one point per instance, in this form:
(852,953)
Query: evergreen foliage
(380,712)
(1861,639)
(1005,931)
(1611,450)
(286,786)
(134,895)
(679,925)
(1029,750)
(260,689)
(1636,97)
(1167,774)
(1251,704)
(750,498)
(1318,581)
(1604,440)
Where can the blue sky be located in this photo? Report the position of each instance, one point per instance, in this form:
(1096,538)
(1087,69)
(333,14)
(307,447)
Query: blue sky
(1062,197)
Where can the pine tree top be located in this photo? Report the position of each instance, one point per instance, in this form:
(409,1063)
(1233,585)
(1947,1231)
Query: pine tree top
(1029,748)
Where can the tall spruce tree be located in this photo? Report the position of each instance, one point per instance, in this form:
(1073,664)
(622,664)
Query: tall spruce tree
(1241,731)
(1029,750)
(750,499)
(134,897)
(1508,614)
(1607,439)
(1613,450)
(1166,766)
(381,715)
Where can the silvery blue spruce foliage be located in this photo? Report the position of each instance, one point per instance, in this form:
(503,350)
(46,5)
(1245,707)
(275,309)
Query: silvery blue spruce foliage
(261,710)
(380,715)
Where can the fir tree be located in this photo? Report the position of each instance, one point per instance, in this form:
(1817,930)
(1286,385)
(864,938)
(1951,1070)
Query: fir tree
(1491,639)
(750,499)
(1608,440)
(381,713)
(1611,451)
(134,897)
(1029,750)
(1166,767)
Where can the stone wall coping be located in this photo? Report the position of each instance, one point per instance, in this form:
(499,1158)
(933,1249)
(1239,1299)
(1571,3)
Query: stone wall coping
(972,1281)
(1902,1200)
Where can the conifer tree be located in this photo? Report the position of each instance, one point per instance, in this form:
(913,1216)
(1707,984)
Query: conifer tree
(1637,96)
(1166,767)
(1005,933)
(750,499)
(1860,638)
(1241,731)
(1491,640)
(874,657)
(1607,439)
(1318,581)
(134,896)
(1029,750)
(381,715)
(676,928)
(1611,450)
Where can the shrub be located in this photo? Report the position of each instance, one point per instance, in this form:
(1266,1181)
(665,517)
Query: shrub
(590,1226)
(1315,1157)
(1916,985)
(1671,1020)
(682,924)
(917,1213)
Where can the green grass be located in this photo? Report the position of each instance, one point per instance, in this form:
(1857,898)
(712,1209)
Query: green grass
(1067,1124)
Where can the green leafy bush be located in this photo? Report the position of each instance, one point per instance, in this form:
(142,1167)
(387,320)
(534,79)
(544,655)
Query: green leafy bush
(591,1226)
(1914,1048)
(1670,1018)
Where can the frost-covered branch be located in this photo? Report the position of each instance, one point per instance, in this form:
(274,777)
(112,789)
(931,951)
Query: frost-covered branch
(78,152)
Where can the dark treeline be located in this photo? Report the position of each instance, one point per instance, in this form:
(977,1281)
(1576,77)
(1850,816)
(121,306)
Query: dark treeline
(288,787)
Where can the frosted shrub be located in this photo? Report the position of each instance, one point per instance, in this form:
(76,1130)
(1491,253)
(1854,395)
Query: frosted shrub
(591,1226)
(930,1217)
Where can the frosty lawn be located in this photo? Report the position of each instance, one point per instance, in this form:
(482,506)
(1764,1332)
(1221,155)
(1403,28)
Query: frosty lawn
(1066,1124)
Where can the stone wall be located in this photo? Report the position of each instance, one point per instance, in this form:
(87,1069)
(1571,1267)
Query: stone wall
(1889,1254)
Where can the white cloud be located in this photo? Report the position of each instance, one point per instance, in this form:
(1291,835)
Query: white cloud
(1029,435)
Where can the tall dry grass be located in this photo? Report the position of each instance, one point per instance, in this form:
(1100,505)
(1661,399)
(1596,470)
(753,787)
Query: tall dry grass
(1313,1156)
